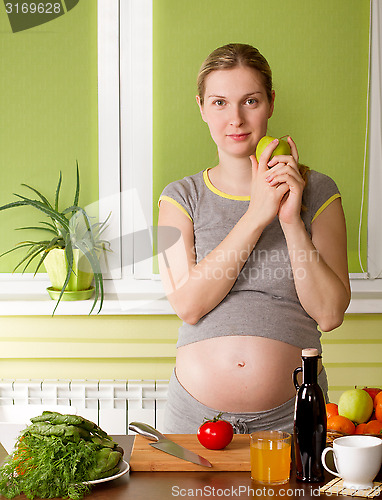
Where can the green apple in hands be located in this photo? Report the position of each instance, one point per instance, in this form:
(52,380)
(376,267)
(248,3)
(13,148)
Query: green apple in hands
(282,148)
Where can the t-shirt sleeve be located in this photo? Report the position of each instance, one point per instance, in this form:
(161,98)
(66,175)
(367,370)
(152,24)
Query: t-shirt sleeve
(180,194)
(320,192)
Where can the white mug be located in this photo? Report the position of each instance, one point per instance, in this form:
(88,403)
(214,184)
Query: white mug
(357,458)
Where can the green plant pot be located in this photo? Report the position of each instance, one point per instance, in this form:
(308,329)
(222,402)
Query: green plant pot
(71,294)
(56,266)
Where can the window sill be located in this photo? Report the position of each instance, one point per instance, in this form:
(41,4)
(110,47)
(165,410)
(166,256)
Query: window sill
(42,305)
(136,297)
(20,296)
(366,296)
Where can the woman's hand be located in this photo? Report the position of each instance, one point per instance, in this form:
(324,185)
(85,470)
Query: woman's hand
(266,196)
(284,170)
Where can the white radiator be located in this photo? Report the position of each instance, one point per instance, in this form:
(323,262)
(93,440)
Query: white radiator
(112,404)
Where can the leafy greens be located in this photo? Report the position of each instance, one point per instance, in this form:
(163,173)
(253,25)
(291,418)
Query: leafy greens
(57,459)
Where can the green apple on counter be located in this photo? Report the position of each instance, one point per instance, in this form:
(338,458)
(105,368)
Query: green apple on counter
(282,148)
(356,405)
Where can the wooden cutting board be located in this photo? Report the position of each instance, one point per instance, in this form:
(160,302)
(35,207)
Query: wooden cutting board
(235,456)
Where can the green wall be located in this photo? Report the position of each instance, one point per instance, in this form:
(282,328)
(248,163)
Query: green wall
(48,86)
(318,52)
(48,96)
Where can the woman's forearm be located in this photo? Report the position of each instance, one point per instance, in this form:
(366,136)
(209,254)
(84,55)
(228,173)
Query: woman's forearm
(207,283)
(322,293)
(195,289)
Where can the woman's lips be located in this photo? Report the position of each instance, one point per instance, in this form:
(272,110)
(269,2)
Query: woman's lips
(238,137)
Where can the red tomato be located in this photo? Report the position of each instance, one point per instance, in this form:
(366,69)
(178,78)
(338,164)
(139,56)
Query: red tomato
(215,434)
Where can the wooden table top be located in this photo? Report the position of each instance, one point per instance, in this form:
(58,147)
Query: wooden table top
(203,484)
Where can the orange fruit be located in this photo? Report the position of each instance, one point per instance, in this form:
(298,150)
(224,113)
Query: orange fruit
(331,409)
(374,427)
(340,424)
(360,429)
(378,399)
(378,412)
(378,406)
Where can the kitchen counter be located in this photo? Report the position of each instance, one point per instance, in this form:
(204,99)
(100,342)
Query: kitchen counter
(203,484)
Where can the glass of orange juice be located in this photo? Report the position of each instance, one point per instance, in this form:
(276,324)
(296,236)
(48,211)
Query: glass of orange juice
(270,456)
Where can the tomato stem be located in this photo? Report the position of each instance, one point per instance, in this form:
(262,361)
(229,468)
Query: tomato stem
(215,419)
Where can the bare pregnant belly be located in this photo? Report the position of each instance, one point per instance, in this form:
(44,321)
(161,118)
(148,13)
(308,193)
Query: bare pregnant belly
(238,373)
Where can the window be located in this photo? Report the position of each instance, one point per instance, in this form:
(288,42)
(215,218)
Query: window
(367,291)
(136,111)
(125,141)
(125,173)
(124,110)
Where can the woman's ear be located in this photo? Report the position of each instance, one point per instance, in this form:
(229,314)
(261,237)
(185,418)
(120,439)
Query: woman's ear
(200,107)
(272,104)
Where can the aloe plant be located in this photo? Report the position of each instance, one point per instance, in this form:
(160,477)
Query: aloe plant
(66,229)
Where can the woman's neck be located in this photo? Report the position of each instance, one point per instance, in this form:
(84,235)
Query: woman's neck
(232,175)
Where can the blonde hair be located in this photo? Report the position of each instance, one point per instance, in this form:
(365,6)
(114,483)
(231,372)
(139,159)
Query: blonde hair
(230,56)
(239,54)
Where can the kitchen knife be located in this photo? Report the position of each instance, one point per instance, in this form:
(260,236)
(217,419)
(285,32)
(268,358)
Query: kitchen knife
(166,445)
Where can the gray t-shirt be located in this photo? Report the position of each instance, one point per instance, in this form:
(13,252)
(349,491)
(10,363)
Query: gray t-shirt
(263,301)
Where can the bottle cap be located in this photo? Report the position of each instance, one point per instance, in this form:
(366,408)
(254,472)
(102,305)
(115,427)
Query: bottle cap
(310,352)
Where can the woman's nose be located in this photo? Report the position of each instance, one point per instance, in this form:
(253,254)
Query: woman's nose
(237,118)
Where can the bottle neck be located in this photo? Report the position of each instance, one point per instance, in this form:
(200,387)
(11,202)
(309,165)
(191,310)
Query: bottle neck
(309,369)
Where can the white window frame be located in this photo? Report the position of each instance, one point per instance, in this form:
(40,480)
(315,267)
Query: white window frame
(125,133)
(125,173)
(374,262)
(367,287)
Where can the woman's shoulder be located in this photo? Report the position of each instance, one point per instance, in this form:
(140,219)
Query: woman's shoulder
(184,193)
(319,182)
(320,190)
(318,177)
(190,184)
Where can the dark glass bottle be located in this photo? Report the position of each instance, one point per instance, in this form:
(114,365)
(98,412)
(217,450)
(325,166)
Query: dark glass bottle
(309,420)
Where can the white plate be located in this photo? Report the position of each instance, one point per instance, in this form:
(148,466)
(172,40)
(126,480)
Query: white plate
(124,467)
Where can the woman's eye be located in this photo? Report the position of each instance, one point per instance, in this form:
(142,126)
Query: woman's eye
(251,101)
(219,102)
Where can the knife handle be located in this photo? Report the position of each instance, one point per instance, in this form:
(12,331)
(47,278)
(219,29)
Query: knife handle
(146,430)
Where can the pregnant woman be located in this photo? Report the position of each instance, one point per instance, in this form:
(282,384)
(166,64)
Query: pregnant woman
(260,262)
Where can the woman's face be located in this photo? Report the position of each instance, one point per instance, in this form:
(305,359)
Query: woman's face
(236,109)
